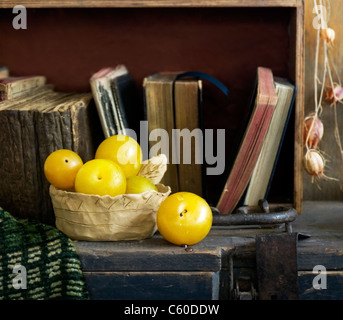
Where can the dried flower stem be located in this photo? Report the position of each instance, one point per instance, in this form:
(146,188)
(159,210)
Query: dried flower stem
(327,36)
(332,84)
(316,63)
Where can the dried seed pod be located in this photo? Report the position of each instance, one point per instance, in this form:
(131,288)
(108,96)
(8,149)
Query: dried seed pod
(334,94)
(313,131)
(328,35)
(314,163)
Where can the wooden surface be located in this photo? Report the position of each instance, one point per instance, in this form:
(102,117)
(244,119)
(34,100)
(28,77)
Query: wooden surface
(322,220)
(154,285)
(298,60)
(151,3)
(113,269)
(324,189)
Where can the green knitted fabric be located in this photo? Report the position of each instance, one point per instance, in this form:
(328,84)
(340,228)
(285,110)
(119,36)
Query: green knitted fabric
(52,268)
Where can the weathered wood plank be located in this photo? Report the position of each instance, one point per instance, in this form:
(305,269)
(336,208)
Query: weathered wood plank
(316,252)
(325,246)
(147,255)
(111,266)
(150,3)
(333,291)
(322,220)
(298,65)
(153,285)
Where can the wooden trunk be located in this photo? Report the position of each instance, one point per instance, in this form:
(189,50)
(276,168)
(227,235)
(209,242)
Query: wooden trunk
(155,269)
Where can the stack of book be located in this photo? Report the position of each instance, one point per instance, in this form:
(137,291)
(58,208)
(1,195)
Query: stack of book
(167,106)
(251,174)
(35,120)
(173,112)
(172,103)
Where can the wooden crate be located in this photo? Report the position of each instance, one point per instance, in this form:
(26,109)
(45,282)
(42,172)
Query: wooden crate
(155,269)
(69,40)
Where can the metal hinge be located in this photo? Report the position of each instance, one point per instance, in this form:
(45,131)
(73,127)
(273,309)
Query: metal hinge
(249,292)
(276,261)
(241,281)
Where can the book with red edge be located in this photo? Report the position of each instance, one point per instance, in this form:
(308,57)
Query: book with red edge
(15,87)
(262,177)
(251,144)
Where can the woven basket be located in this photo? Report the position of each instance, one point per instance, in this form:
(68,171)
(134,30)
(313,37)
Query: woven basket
(104,218)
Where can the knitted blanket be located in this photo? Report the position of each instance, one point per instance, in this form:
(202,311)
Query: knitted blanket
(38,262)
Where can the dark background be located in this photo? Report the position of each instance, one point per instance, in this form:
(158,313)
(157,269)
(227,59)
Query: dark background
(69,45)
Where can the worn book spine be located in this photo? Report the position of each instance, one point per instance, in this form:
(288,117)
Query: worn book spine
(122,119)
(50,137)
(159,111)
(30,132)
(127,103)
(267,160)
(84,139)
(65,127)
(120,104)
(190,146)
(19,183)
(251,144)
(103,101)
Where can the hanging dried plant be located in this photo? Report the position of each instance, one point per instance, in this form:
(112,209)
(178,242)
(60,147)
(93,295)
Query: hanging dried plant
(313,131)
(314,161)
(328,35)
(314,164)
(334,94)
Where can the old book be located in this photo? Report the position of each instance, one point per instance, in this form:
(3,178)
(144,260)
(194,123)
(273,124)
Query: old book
(63,123)
(126,101)
(250,147)
(115,96)
(102,94)
(14,87)
(20,160)
(159,112)
(263,172)
(187,102)
(169,109)
(33,126)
